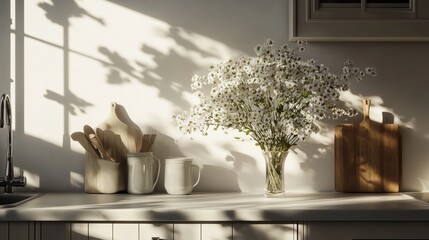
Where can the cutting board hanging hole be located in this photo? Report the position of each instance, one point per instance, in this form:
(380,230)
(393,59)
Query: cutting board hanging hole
(366,104)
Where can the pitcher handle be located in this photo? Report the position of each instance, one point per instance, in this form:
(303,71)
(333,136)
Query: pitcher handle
(199,174)
(157,175)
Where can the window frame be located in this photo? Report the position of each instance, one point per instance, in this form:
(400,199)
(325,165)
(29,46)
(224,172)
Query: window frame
(375,24)
(361,12)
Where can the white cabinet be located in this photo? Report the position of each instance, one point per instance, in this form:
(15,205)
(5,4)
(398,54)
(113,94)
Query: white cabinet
(216,231)
(264,231)
(18,231)
(54,230)
(367,230)
(100,231)
(163,231)
(125,231)
(79,231)
(213,231)
(21,231)
(149,231)
(187,231)
(4,232)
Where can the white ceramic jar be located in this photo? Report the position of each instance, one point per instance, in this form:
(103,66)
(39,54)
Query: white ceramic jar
(178,175)
(141,172)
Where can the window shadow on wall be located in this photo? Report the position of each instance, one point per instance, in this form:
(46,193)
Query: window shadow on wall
(60,12)
(46,165)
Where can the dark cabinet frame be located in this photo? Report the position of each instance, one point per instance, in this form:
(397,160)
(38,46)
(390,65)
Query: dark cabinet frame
(309,21)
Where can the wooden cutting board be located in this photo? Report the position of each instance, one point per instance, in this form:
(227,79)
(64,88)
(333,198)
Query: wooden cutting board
(367,156)
(119,127)
(119,135)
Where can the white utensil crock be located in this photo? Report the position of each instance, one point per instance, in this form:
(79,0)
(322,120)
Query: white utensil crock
(141,172)
(178,175)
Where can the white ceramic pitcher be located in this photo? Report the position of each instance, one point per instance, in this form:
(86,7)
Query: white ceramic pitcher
(178,175)
(140,172)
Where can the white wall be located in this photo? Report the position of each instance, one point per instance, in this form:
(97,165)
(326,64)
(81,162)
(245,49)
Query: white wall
(70,59)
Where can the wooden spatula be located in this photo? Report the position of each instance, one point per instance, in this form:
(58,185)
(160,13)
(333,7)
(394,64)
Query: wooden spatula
(84,142)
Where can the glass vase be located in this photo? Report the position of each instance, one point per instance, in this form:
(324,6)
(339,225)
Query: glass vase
(274,173)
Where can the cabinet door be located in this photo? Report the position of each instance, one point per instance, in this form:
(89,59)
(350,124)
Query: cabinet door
(216,231)
(264,231)
(367,230)
(100,231)
(79,231)
(19,231)
(187,231)
(149,231)
(4,231)
(55,230)
(126,231)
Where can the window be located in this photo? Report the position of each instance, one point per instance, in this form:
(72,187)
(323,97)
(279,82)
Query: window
(359,20)
(362,9)
(363,3)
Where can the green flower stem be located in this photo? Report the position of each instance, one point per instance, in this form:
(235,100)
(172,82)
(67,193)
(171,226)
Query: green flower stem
(274,185)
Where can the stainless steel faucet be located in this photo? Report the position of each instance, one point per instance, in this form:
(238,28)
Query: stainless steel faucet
(9,181)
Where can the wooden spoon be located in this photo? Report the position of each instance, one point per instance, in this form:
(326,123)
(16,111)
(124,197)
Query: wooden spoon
(97,144)
(88,130)
(84,142)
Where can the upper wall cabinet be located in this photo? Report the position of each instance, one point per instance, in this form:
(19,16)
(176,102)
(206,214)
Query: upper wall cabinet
(359,20)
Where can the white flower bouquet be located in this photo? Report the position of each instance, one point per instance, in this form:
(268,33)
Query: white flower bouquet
(276,98)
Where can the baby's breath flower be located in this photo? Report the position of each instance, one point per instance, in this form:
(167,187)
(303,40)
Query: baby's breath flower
(274,98)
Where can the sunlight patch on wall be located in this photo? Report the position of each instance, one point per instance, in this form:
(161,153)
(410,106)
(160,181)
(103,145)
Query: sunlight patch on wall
(38,25)
(43,72)
(109,59)
(76,180)
(33,180)
(377,111)
(141,62)
(12,76)
(138,61)
(82,55)
(12,61)
(325,136)
(296,180)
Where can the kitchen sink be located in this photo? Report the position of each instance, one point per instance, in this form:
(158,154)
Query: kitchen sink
(15,199)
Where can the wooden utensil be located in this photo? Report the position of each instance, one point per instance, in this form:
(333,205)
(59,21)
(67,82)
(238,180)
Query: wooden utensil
(147,142)
(84,142)
(97,144)
(367,156)
(88,132)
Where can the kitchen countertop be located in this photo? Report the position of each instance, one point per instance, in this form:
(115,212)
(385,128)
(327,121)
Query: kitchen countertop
(221,207)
